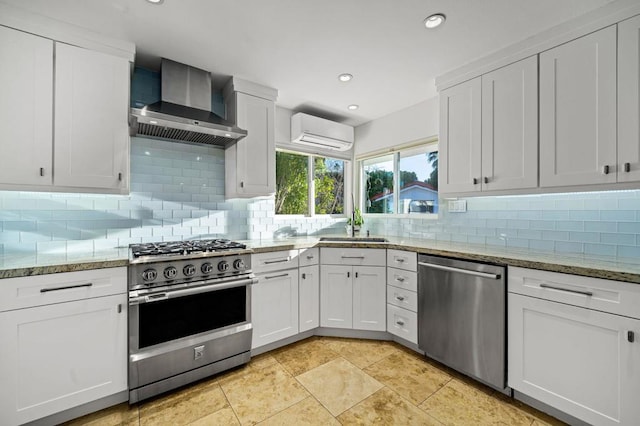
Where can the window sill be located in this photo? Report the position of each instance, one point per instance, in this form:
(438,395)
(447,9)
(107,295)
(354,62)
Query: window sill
(429,216)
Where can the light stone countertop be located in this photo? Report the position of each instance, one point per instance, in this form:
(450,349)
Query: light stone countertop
(627,270)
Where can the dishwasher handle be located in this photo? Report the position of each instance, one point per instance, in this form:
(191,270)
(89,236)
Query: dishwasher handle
(460,270)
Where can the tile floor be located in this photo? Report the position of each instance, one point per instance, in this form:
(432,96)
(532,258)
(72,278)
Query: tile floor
(329,381)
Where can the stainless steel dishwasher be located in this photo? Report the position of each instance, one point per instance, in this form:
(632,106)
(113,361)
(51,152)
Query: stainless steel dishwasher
(462,317)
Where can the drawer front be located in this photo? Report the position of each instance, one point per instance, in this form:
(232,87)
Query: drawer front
(353,256)
(274,261)
(38,290)
(402,323)
(593,293)
(402,279)
(402,298)
(309,256)
(402,260)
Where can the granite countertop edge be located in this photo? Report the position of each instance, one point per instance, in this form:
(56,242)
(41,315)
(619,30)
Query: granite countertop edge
(594,267)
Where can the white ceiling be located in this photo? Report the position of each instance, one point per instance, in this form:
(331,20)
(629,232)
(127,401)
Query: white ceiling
(300,46)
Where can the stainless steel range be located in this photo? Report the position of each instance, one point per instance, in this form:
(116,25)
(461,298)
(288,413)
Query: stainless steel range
(189,312)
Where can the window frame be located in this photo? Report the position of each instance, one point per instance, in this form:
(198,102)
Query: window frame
(430,144)
(311,186)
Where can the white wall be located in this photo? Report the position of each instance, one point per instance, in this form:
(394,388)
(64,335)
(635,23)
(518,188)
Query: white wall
(416,122)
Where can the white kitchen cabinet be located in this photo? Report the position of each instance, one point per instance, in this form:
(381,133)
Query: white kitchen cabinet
(91,136)
(489,131)
(26,108)
(402,294)
(573,344)
(251,161)
(629,100)
(352,293)
(274,306)
(459,146)
(578,111)
(62,354)
(309,302)
(510,127)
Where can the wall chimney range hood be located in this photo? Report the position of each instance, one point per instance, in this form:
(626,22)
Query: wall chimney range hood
(184,113)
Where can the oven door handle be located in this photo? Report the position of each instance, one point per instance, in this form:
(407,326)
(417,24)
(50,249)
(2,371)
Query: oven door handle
(172,294)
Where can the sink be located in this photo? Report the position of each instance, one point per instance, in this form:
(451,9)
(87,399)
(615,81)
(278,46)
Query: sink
(354,239)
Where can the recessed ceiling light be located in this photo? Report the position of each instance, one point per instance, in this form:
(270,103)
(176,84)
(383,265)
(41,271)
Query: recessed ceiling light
(434,20)
(345,77)
(353,107)
(155,1)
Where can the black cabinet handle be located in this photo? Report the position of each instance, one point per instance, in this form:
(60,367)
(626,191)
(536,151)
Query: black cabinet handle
(631,336)
(304,276)
(46,290)
(627,167)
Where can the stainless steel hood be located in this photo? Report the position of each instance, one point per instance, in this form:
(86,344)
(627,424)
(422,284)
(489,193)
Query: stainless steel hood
(184,113)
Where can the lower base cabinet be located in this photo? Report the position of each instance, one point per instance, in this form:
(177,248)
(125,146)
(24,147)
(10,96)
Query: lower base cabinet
(309,297)
(274,307)
(583,362)
(59,356)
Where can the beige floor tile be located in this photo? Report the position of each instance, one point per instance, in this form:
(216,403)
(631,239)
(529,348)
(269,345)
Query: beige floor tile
(413,378)
(459,403)
(541,419)
(225,417)
(304,356)
(360,352)
(257,363)
(386,407)
(121,414)
(307,412)
(183,407)
(339,385)
(259,394)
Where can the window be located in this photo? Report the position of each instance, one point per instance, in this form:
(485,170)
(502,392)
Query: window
(297,173)
(405,182)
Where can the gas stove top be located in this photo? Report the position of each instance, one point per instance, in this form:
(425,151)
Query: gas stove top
(183,248)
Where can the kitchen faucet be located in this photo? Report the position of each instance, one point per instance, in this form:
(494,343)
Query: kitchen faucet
(353,216)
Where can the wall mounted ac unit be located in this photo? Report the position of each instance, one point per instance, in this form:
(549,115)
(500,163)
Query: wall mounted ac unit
(320,133)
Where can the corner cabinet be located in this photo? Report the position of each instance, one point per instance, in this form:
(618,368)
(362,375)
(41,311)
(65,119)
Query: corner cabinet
(489,131)
(64,342)
(251,161)
(353,288)
(578,111)
(574,344)
(77,142)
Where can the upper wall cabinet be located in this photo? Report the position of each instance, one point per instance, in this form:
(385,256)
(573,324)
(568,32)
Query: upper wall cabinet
(578,111)
(629,100)
(489,131)
(251,161)
(80,141)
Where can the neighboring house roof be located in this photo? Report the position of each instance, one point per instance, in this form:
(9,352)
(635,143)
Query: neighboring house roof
(407,186)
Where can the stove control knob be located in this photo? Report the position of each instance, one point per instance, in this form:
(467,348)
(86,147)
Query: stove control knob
(206,268)
(239,264)
(223,266)
(170,272)
(189,270)
(149,274)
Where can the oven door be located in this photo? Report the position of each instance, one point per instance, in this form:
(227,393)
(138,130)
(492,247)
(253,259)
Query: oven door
(175,331)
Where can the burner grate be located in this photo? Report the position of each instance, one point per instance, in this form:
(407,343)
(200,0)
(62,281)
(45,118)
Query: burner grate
(184,247)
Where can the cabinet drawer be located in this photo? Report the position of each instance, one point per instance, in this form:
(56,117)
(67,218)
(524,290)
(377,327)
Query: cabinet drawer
(402,279)
(38,290)
(309,256)
(353,256)
(402,260)
(402,323)
(593,293)
(274,261)
(402,298)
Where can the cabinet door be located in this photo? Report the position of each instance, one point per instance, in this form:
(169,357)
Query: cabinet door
(256,153)
(578,111)
(309,307)
(574,359)
(274,307)
(460,137)
(91,137)
(369,298)
(26,108)
(60,356)
(629,100)
(510,126)
(336,296)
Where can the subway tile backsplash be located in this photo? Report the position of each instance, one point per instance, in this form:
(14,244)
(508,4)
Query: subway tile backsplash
(177,192)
